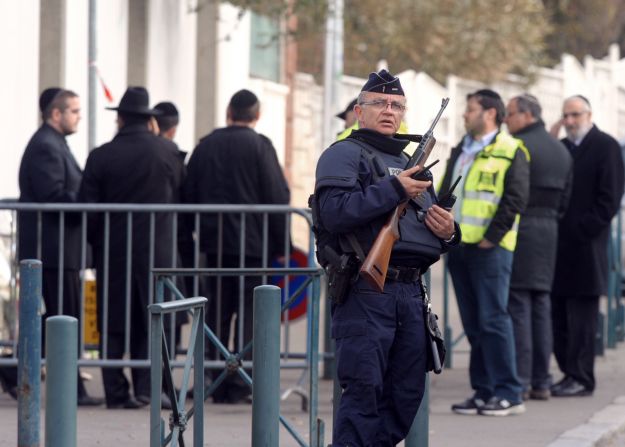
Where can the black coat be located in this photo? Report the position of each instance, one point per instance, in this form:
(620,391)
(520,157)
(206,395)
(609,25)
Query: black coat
(236,165)
(582,261)
(550,187)
(135,167)
(49,173)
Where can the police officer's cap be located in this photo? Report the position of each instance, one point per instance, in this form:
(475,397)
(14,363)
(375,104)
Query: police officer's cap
(167,109)
(243,99)
(47,96)
(383,82)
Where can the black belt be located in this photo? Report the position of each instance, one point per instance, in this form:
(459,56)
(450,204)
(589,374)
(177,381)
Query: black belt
(403,274)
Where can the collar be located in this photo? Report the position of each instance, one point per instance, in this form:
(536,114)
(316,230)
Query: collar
(471,146)
(394,145)
(134,128)
(532,126)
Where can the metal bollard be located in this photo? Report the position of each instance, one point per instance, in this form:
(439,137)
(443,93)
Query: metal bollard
(61,380)
(29,355)
(266,364)
(419,434)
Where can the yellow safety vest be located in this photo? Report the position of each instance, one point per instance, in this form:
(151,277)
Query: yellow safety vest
(484,188)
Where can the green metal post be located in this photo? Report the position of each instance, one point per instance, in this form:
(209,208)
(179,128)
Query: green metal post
(29,359)
(447,332)
(419,432)
(61,380)
(266,364)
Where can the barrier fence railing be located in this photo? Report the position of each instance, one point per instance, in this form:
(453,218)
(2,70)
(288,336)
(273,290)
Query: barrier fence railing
(119,221)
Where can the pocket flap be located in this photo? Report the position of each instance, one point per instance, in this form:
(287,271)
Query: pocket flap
(348,328)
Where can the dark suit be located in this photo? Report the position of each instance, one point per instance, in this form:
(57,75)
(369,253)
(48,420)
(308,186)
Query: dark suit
(235,165)
(529,302)
(582,262)
(49,173)
(135,167)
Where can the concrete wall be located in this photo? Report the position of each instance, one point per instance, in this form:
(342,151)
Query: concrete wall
(163,45)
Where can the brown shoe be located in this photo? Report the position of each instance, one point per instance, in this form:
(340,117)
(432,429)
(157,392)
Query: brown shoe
(540,394)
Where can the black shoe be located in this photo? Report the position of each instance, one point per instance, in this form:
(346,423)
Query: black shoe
(496,406)
(572,389)
(129,404)
(88,401)
(539,394)
(165,401)
(469,406)
(561,384)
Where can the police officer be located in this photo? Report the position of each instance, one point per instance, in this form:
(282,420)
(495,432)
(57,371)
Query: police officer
(380,337)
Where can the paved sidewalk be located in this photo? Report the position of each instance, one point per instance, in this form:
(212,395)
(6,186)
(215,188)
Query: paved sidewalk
(564,422)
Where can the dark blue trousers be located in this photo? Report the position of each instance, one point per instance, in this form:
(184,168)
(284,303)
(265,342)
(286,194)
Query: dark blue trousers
(381,360)
(481,280)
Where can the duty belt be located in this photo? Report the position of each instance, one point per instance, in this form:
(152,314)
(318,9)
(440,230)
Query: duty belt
(403,274)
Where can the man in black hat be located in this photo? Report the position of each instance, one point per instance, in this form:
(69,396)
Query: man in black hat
(236,165)
(348,115)
(49,173)
(380,337)
(135,167)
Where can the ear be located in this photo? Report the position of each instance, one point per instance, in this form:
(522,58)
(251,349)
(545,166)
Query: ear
(56,114)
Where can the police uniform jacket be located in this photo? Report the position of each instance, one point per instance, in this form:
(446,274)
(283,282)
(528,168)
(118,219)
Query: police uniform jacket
(237,165)
(351,200)
(135,167)
(582,260)
(49,173)
(550,187)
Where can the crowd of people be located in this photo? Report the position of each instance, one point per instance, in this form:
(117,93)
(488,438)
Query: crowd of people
(142,165)
(527,254)
(526,241)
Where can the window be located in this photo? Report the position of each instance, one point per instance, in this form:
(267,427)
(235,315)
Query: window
(265,48)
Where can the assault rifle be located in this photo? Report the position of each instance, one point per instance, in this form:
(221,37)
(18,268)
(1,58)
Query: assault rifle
(375,265)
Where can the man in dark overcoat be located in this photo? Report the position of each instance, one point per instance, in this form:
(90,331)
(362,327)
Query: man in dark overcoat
(137,166)
(529,302)
(236,165)
(49,173)
(582,262)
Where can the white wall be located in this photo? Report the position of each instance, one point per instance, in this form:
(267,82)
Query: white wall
(19,117)
(171,63)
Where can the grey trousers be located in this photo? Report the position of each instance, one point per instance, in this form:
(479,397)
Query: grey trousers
(531,318)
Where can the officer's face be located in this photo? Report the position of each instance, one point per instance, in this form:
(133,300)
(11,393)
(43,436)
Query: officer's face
(381,112)
(576,117)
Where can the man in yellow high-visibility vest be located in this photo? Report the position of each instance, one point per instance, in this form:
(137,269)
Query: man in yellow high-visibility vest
(493,191)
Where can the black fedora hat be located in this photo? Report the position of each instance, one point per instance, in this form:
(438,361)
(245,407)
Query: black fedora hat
(136,101)
(348,109)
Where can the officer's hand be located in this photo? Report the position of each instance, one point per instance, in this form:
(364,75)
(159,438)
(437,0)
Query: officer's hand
(440,222)
(412,187)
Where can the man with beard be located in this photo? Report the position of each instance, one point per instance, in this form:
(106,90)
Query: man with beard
(535,255)
(582,261)
(493,191)
(380,336)
(49,173)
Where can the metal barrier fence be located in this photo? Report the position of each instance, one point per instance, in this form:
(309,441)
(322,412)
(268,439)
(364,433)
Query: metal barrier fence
(110,216)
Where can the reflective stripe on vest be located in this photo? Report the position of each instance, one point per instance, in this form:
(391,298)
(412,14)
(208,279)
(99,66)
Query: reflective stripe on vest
(484,188)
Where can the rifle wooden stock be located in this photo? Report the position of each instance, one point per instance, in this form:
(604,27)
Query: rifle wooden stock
(375,266)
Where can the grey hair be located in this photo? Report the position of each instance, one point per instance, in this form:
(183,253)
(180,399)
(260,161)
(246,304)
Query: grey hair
(583,99)
(527,103)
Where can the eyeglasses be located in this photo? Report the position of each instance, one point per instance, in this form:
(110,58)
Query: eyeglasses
(381,104)
(573,114)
